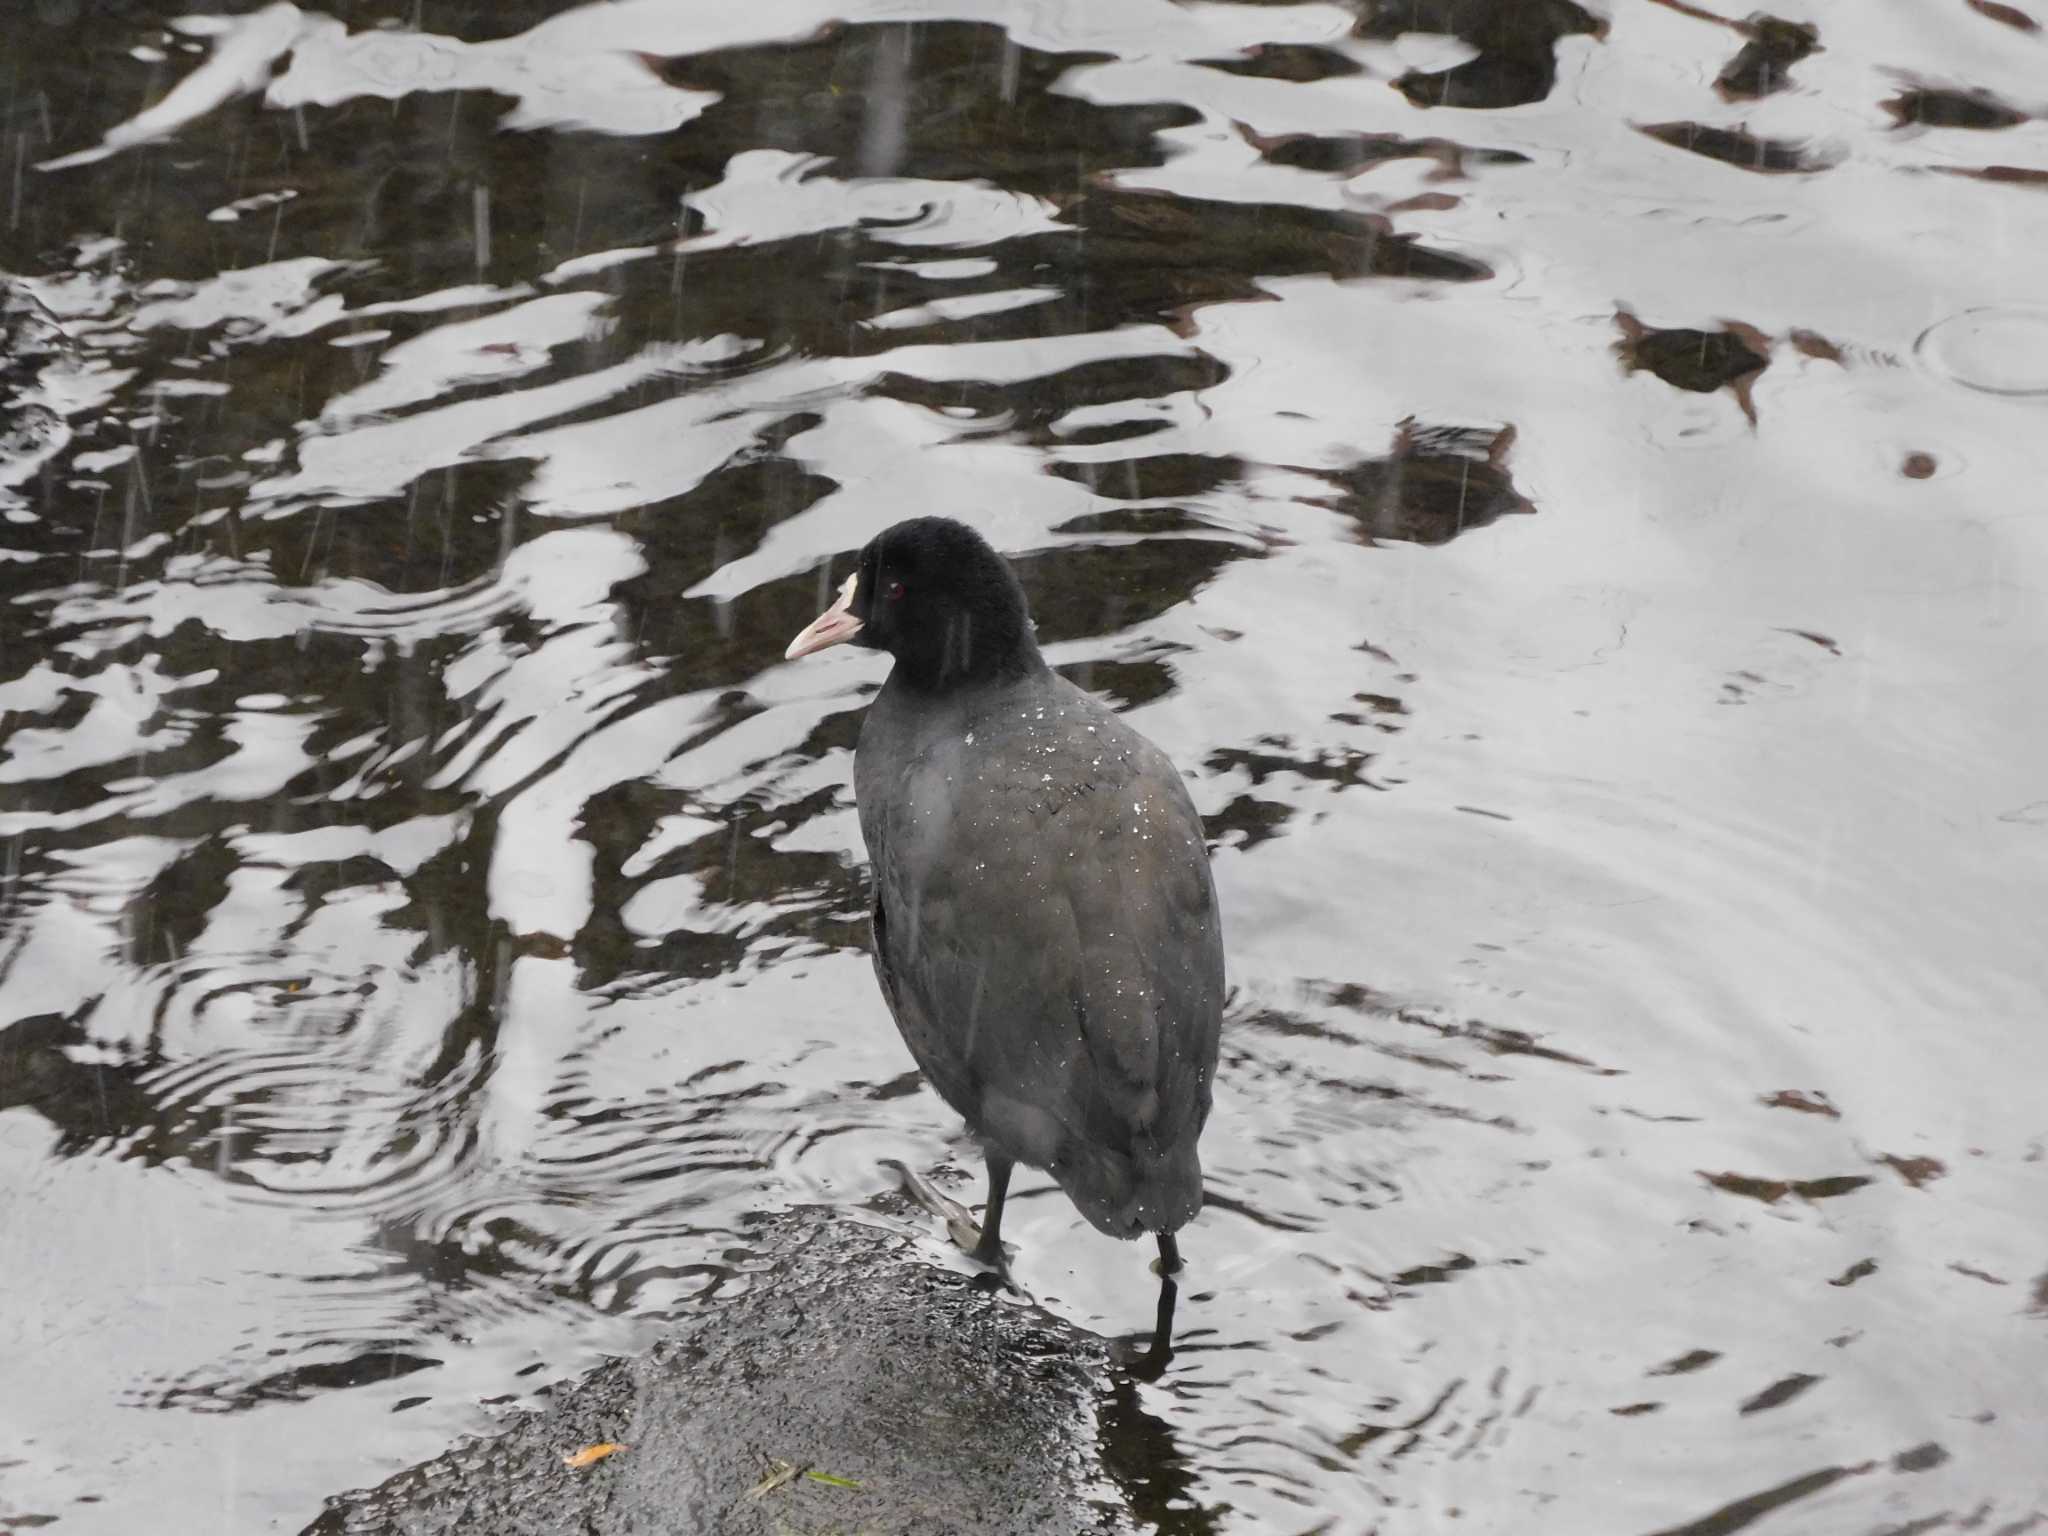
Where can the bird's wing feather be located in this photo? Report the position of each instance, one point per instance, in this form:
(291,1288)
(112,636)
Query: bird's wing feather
(1050,947)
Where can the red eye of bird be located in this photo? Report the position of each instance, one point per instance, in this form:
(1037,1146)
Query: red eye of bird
(893,592)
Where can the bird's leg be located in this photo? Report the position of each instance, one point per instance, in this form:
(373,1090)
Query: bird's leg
(989,1250)
(1150,1365)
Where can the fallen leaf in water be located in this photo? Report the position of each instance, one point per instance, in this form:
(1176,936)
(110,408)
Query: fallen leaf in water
(1920,1458)
(1743,150)
(1691,1360)
(591,1455)
(1815,1103)
(1916,1171)
(1778,1392)
(1771,1191)
(1774,46)
(1698,361)
(1977,1274)
(2010,15)
(2012,175)
(1813,344)
(1974,109)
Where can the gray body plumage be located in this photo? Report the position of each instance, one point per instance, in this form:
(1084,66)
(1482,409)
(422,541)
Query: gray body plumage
(1046,934)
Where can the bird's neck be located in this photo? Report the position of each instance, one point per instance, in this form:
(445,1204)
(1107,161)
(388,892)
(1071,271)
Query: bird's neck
(965,655)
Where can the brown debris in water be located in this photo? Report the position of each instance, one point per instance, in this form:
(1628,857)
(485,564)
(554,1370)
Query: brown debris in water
(2010,15)
(1918,466)
(1921,1458)
(2009,175)
(1771,1191)
(1434,1274)
(1742,149)
(1974,1273)
(1698,361)
(1862,1269)
(1813,344)
(1347,154)
(1376,705)
(1437,483)
(1774,46)
(1424,202)
(1815,1103)
(1779,1392)
(1935,107)
(1692,1360)
(1916,1171)
(1815,637)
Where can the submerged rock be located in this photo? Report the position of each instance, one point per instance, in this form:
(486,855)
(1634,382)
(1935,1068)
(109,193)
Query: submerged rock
(922,1402)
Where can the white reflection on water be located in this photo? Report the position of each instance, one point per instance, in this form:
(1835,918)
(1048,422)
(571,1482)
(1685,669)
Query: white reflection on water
(431,911)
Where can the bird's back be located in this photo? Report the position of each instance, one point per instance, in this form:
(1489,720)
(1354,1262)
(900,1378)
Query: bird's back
(1047,936)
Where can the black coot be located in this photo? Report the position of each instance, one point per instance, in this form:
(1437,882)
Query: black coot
(1045,928)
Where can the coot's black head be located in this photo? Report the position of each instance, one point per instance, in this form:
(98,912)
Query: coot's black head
(933,594)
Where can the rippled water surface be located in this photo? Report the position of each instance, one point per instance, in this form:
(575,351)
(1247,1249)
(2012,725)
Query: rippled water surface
(1566,484)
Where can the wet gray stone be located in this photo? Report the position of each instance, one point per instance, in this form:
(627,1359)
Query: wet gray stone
(953,1408)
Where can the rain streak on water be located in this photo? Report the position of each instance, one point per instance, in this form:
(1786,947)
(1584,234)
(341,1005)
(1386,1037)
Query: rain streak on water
(1565,482)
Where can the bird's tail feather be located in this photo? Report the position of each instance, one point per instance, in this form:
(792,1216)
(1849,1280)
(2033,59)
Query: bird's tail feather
(1127,1196)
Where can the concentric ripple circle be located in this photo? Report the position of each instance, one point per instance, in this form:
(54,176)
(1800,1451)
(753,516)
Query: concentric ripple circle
(2001,349)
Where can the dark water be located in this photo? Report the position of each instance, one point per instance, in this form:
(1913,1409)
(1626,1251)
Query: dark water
(1565,483)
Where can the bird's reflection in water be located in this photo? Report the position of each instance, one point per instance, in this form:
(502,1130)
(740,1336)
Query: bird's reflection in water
(1149,1364)
(1138,1448)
